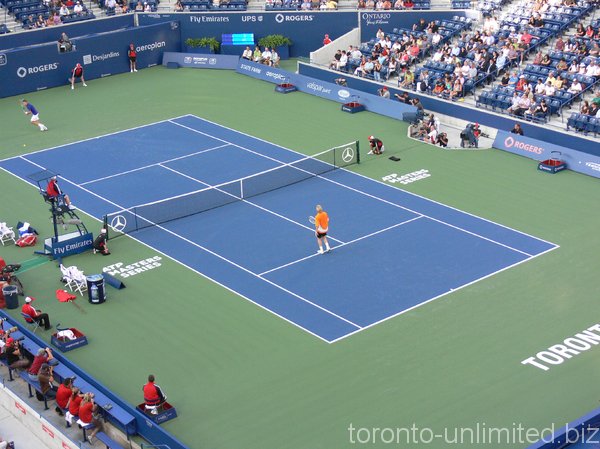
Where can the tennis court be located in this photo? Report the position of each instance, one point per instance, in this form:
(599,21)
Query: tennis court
(392,250)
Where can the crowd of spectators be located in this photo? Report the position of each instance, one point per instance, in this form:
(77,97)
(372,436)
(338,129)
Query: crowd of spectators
(268,56)
(56,12)
(386,5)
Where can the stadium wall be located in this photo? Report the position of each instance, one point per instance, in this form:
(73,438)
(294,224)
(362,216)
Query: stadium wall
(465,112)
(42,66)
(329,91)
(77,29)
(305,29)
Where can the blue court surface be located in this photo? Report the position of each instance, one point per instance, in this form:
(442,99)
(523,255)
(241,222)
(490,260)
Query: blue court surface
(393,250)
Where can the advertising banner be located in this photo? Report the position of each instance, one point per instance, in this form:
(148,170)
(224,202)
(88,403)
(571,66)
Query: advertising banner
(199,61)
(578,161)
(43,66)
(305,29)
(329,91)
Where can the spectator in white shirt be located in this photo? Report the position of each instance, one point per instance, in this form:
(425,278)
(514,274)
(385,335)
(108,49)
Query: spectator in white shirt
(247,54)
(575,87)
(63,11)
(78,9)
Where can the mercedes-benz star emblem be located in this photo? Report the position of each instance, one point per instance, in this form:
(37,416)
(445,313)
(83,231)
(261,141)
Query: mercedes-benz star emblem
(347,155)
(118,223)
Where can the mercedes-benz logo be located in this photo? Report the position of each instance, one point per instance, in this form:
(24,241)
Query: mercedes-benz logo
(21,72)
(348,155)
(279,18)
(118,223)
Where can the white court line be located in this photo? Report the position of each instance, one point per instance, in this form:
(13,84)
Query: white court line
(370,179)
(368,194)
(93,138)
(249,202)
(214,254)
(205,276)
(460,287)
(299,154)
(343,244)
(153,165)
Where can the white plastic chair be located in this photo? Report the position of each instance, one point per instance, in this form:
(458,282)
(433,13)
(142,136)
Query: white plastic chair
(6,234)
(67,277)
(80,282)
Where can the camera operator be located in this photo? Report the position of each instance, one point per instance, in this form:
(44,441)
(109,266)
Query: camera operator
(46,379)
(383,92)
(341,82)
(44,355)
(442,140)
(63,395)
(14,357)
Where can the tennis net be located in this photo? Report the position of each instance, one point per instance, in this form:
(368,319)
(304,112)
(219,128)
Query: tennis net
(159,212)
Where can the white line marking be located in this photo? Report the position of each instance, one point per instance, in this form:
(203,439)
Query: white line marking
(96,137)
(272,312)
(368,194)
(343,244)
(215,254)
(152,165)
(460,287)
(555,246)
(249,202)
(371,179)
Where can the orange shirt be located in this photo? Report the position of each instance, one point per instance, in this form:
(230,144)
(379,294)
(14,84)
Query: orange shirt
(322,221)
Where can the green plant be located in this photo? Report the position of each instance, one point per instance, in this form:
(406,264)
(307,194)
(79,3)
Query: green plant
(274,40)
(211,42)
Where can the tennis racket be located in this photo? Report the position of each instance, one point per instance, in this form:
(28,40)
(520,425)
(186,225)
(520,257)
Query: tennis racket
(311,219)
(23,108)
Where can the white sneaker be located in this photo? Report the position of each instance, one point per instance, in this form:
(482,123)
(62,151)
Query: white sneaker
(72,87)
(320,251)
(135,70)
(370,152)
(327,250)
(131,70)
(72,207)
(84,85)
(154,411)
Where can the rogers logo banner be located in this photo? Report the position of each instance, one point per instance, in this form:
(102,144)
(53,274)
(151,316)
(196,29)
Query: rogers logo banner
(510,142)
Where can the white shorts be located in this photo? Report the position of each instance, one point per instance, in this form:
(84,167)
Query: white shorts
(35,118)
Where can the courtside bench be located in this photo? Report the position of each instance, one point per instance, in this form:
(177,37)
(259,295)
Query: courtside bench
(108,441)
(34,385)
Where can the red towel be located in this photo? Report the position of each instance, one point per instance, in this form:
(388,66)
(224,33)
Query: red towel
(64,296)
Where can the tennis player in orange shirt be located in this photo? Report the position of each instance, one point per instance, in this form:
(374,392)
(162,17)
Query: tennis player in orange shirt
(321,228)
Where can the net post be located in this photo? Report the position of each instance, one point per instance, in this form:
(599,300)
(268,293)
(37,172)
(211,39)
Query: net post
(357,152)
(105,226)
(242,189)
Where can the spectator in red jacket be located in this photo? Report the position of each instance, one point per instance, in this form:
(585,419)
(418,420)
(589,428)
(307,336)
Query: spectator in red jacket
(74,404)
(43,356)
(35,315)
(153,396)
(326,40)
(63,395)
(86,415)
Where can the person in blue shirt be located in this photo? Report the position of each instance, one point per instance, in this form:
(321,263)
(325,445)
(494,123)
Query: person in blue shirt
(30,109)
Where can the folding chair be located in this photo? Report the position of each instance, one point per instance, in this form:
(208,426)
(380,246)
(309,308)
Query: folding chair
(33,325)
(67,276)
(80,282)
(6,234)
